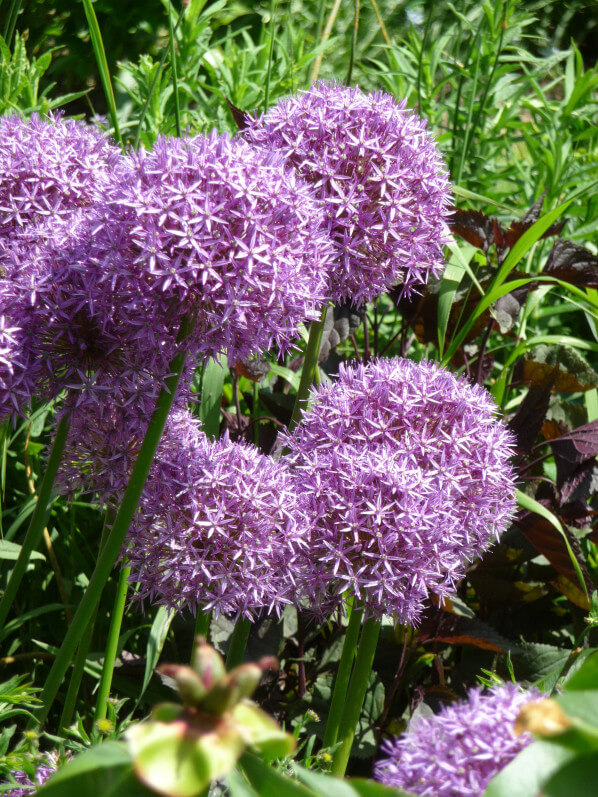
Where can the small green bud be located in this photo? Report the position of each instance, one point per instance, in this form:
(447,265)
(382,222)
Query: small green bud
(208,664)
(188,683)
(104,726)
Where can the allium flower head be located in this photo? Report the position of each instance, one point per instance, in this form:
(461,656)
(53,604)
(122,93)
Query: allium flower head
(48,168)
(224,232)
(458,751)
(219,526)
(379,175)
(75,331)
(408,477)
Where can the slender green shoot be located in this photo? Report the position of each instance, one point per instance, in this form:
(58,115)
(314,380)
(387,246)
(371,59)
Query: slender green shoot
(175,82)
(310,365)
(270,54)
(356,694)
(112,643)
(353,42)
(38,519)
(341,683)
(100,54)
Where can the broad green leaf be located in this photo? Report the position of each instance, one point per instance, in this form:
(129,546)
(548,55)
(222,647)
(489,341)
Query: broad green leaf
(102,771)
(586,677)
(289,376)
(268,782)
(451,279)
(238,786)
(467,194)
(526,774)
(577,778)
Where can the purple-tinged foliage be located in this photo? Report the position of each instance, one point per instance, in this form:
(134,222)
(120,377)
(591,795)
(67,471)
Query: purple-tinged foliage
(408,477)
(380,177)
(48,168)
(223,232)
(219,526)
(458,751)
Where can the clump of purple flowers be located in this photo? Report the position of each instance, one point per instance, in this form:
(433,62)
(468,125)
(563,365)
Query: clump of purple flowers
(44,771)
(219,526)
(457,752)
(407,471)
(48,168)
(381,179)
(223,232)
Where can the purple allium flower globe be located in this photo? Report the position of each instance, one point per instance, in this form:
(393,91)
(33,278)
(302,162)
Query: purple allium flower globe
(458,751)
(407,473)
(380,177)
(223,232)
(219,527)
(48,168)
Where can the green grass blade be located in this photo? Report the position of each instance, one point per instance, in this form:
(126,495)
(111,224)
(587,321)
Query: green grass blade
(100,54)
(175,82)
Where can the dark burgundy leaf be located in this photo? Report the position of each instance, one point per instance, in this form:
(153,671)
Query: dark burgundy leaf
(528,420)
(573,263)
(455,630)
(533,214)
(474,227)
(240,117)
(584,442)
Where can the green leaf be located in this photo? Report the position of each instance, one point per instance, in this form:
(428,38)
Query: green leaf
(102,771)
(586,677)
(155,643)
(212,380)
(238,786)
(10,550)
(26,616)
(268,782)
(526,774)
(577,778)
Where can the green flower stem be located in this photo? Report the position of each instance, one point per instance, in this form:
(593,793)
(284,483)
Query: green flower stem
(70,700)
(356,694)
(38,519)
(339,695)
(202,629)
(238,643)
(175,85)
(310,366)
(117,535)
(112,643)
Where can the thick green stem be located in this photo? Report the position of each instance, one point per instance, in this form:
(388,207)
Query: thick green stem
(117,535)
(202,630)
(38,520)
(70,700)
(339,694)
(238,643)
(356,694)
(112,643)
(310,365)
